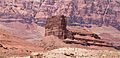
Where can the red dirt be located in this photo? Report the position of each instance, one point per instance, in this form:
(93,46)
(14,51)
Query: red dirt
(12,45)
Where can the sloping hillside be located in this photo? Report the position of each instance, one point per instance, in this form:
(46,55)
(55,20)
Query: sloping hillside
(12,45)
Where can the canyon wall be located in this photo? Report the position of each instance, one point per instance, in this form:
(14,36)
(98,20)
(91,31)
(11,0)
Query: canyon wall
(83,12)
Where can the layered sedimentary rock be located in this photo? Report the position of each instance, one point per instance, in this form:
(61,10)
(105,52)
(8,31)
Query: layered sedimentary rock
(56,25)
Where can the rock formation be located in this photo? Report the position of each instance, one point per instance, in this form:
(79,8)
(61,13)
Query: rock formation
(56,25)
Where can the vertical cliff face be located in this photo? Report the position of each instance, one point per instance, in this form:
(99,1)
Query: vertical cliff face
(71,8)
(82,12)
(56,25)
(80,8)
(87,9)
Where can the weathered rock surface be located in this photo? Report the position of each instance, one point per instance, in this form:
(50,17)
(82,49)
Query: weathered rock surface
(56,25)
(78,53)
(80,9)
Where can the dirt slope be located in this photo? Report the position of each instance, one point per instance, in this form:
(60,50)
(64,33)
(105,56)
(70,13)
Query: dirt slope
(13,45)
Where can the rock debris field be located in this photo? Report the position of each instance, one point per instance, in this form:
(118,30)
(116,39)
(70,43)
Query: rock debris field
(74,53)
